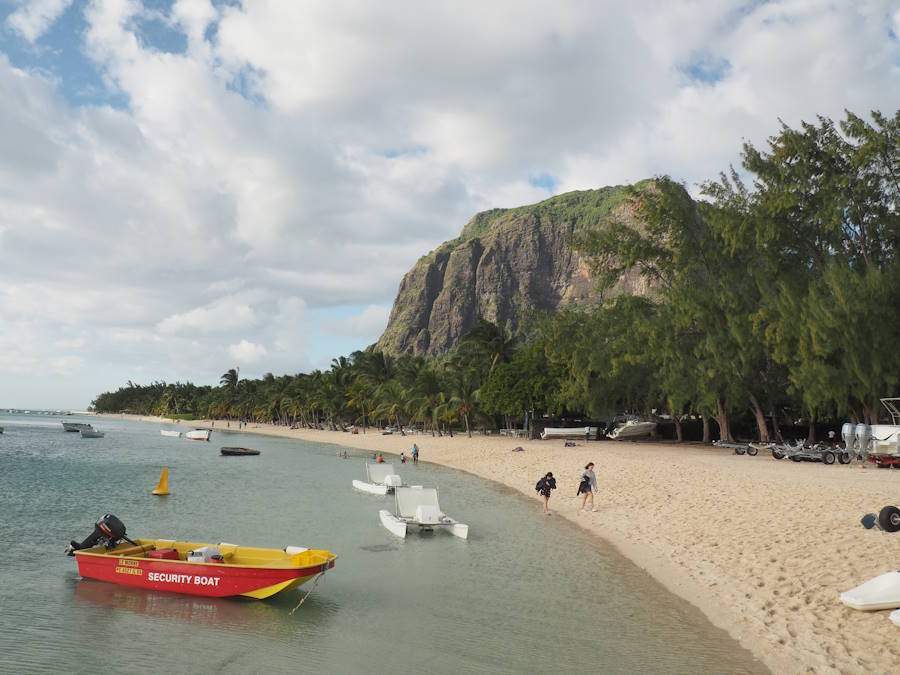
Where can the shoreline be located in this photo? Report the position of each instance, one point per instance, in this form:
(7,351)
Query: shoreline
(761,547)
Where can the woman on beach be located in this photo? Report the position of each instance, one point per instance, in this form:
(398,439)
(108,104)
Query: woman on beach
(415,454)
(588,486)
(544,486)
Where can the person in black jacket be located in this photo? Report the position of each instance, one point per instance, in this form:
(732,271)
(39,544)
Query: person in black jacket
(543,487)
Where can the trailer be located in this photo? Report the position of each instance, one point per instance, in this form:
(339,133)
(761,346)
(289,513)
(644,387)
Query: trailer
(878,444)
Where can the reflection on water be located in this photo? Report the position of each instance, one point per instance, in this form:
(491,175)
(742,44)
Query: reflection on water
(524,590)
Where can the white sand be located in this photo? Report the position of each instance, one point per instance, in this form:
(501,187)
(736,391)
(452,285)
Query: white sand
(762,547)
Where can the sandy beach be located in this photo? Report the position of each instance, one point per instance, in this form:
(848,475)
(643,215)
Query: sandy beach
(762,547)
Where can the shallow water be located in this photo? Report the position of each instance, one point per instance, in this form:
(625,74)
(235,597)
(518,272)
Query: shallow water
(524,594)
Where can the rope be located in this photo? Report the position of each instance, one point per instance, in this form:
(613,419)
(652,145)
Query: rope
(303,599)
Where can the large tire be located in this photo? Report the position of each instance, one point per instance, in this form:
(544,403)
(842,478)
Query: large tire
(844,458)
(795,458)
(777,454)
(889,519)
(828,457)
(752,451)
(739,451)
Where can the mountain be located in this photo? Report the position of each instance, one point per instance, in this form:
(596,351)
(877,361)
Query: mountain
(504,263)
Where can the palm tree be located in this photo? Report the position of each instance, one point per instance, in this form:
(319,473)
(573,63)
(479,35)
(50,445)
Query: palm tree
(230,379)
(464,394)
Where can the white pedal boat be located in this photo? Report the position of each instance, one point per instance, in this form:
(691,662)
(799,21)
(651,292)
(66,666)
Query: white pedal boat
(381,479)
(173,434)
(881,592)
(198,434)
(419,506)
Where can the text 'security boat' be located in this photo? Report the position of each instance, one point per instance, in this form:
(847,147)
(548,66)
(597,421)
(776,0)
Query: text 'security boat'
(219,570)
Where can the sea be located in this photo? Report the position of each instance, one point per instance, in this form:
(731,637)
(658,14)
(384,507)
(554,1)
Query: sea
(524,594)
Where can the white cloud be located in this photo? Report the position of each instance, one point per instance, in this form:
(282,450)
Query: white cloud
(371,321)
(247,352)
(33,17)
(223,315)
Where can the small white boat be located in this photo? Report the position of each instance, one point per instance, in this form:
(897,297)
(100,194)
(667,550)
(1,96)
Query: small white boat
(569,432)
(419,506)
(198,434)
(881,592)
(91,433)
(173,434)
(633,428)
(381,479)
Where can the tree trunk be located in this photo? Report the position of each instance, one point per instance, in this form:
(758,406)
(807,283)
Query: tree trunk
(775,428)
(706,431)
(722,419)
(468,431)
(761,427)
(811,436)
(678,433)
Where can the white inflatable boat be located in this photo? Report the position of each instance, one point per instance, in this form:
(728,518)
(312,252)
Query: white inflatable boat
(419,506)
(881,592)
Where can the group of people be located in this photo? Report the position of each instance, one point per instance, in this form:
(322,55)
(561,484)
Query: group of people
(586,488)
(415,456)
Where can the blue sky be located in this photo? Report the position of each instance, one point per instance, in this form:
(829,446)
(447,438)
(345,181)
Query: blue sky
(188,186)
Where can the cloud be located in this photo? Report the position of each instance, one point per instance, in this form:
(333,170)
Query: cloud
(247,352)
(33,17)
(263,163)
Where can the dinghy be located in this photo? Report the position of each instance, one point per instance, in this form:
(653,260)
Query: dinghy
(219,570)
(238,452)
(198,435)
(381,479)
(173,434)
(91,433)
(75,426)
(881,592)
(419,506)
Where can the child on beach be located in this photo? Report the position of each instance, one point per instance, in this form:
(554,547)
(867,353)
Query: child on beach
(402,458)
(380,459)
(543,487)
(587,486)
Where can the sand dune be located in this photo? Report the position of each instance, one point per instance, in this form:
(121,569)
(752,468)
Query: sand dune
(763,547)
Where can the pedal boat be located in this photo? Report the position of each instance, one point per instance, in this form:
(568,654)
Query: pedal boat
(244,570)
(381,479)
(416,505)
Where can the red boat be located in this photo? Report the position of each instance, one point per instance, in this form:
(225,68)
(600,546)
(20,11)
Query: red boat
(219,570)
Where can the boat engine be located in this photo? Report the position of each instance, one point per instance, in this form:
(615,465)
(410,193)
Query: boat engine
(108,531)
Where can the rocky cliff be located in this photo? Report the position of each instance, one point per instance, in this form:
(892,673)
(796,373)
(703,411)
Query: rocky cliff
(504,263)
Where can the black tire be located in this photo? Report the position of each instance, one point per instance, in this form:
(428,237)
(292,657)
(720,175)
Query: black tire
(777,454)
(828,457)
(739,451)
(845,458)
(752,451)
(889,519)
(795,458)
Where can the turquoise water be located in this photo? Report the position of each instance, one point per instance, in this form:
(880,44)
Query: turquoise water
(524,594)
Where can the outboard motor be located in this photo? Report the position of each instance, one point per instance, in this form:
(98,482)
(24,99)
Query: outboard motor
(863,436)
(848,433)
(108,531)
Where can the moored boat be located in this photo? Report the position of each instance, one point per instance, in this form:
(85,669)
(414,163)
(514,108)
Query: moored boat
(193,568)
(381,479)
(91,433)
(173,434)
(75,427)
(238,452)
(632,428)
(198,434)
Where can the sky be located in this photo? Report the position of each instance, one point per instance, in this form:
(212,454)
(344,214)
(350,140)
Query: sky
(192,186)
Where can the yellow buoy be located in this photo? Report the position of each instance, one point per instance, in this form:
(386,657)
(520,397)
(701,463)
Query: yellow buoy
(162,488)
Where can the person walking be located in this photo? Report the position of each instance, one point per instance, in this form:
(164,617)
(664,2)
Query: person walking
(415,454)
(402,458)
(588,486)
(543,487)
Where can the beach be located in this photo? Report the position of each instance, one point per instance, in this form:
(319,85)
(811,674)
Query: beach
(762,547)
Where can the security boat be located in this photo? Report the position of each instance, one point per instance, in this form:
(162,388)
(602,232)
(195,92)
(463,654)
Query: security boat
(212,570)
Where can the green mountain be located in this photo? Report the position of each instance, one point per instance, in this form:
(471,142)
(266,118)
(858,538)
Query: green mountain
(504,263)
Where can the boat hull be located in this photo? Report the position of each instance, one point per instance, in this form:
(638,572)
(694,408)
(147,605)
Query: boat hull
(392,523)
(371,488)
(633,430)
(173,434)
(218,580)
(238,452)
(895,617)
(198,435)
(881,592)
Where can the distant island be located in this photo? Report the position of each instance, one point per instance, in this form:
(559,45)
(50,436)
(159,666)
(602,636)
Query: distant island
(767,302)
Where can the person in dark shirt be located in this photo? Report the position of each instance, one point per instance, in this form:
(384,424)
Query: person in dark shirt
(543,487)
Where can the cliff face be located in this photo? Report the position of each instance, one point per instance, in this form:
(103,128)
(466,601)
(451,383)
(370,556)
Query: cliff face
(505,262)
